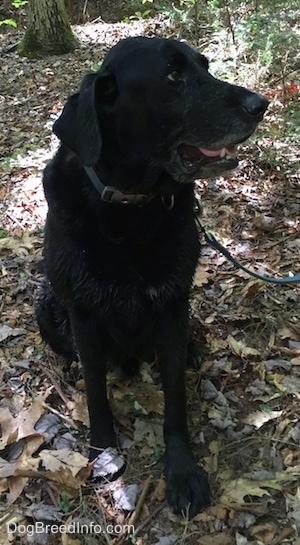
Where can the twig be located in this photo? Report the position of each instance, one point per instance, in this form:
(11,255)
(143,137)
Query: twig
(285,350)
(147,520)
(55,384)
(287,74)
(57,387)
(136,513)
(280,241)
(84,8)
(17,222)
(62,416)
(10,48)
(229,22)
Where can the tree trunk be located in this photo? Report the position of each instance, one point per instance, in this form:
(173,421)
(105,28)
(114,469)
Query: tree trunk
(48,31)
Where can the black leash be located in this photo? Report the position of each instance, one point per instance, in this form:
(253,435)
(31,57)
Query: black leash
(112,194)
(212,241)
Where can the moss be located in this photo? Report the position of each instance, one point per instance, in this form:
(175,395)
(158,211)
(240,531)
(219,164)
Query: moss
(48,31)
(33,46)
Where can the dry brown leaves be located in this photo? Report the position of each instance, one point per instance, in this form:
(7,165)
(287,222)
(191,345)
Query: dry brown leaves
(243,403)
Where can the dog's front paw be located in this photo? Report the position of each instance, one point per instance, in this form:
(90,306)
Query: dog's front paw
(187,488)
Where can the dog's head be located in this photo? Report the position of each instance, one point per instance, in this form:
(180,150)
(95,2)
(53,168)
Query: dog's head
(153,102)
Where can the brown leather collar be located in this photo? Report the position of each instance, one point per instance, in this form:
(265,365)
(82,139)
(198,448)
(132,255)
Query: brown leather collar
(112,194)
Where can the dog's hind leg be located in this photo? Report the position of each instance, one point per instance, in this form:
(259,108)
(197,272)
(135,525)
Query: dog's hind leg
(53,320)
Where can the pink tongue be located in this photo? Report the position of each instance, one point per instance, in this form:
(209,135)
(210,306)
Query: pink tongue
(210,152)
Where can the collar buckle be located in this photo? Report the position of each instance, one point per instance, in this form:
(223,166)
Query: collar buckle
(113,195)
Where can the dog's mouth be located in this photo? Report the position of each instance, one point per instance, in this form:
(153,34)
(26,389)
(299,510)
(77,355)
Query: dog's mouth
(197,157)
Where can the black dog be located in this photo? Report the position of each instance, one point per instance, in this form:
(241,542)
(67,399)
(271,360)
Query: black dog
(121,245)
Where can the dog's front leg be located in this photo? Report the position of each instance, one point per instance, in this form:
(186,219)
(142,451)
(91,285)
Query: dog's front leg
(91,347)
(187,487)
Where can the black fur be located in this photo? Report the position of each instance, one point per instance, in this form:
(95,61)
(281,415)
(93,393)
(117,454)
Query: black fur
(118,276)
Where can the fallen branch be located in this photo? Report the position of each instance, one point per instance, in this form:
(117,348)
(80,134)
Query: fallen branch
(136,513)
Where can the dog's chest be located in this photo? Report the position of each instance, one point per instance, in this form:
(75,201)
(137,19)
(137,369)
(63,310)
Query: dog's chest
(140,279)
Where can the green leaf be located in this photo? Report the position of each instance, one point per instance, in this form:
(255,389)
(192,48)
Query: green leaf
(19,3)
(64,502)
(9,22)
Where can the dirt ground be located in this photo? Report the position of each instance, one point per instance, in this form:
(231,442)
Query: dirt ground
(244,400)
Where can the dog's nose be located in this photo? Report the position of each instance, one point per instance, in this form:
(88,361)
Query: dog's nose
(255,104)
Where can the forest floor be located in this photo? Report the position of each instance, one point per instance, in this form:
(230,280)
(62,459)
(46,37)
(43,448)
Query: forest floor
(243,404)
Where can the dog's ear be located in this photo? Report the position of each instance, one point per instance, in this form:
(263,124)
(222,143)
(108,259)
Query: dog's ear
(79,125)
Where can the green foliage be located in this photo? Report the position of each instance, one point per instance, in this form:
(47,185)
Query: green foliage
(260,31)
(138,14)
(268,33)
(156,455)
(16,4)
(64,502)
(182,13)
(19,3)
(9,22)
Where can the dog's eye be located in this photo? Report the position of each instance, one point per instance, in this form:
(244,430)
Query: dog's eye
(175,76)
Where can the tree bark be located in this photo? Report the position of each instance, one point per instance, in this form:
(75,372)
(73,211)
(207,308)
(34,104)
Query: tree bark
(48,31)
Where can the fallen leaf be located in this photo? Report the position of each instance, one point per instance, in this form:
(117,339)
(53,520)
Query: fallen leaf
(126,496)
(235,490)
(16,487)
(54,460)
(151,399)
(241,540)
(286,384)
(287,333)
(295,361)
(211,462)
(265,222)
(252,288)
(264,532)
(219,511)
(6,331)
(216,539)
(167,540)
(259,418)
(240,349)
(216,345)
(202,276)
(6,469)
(277,363)
(19,246)
(210,319)
(67,539)
(78,408)
(145,372)
(150,432)
(15,428)
(108,463)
